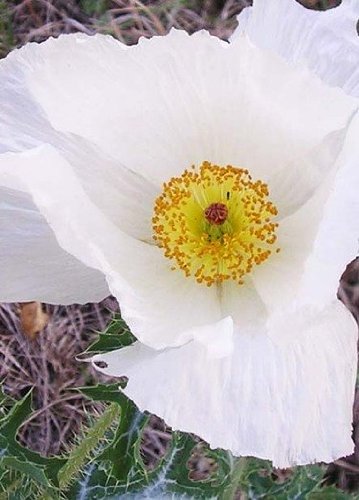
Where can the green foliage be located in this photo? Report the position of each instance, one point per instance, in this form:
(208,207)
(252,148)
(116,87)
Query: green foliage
(6,28)
(303,483)
(123,453)
(116,336)
(9,446)
(21,468)
(94,7)
(79,454)
(106,462)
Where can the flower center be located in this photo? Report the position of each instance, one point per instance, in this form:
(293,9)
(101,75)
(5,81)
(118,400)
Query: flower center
(216,213)
(215,223)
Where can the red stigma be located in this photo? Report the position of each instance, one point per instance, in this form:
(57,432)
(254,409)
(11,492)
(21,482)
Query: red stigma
(216,213)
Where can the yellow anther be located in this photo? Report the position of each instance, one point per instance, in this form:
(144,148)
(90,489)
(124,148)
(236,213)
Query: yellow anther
(216,223)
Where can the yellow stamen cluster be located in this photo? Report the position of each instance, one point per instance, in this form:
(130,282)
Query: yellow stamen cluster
(215,223)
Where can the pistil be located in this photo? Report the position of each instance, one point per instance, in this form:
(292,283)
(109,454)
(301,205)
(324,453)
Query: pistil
(216,213)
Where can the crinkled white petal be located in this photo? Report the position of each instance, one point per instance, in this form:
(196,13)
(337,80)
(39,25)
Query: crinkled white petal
(168,102)
(226,103)
(243,304)
(288,402)
(277,280)
(125,197)
(205,116)
(337,240)
(317,241)
(327,41)
(33,266)
(161,307)
(296,183)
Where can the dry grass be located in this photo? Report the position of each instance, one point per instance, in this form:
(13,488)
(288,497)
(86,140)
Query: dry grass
(48,363)
(35,20)
(127,20)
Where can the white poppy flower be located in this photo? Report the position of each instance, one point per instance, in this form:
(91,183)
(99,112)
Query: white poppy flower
(227,272)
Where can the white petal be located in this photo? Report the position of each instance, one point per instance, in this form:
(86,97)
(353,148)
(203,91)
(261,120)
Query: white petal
(150,294)
(162,308)
(243,304)
(297,182)
(33,266)
(317,241)
(124,196)
(175,101)
(337,240)
(278,279)
(327,41)
(302,391)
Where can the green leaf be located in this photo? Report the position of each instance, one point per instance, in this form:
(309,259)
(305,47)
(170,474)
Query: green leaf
(177,471)
(124,451)
(329,493)
(116,336)
(126,472)
(93,485)
(81,453)
(27,468)
(258,481)
(10,447)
